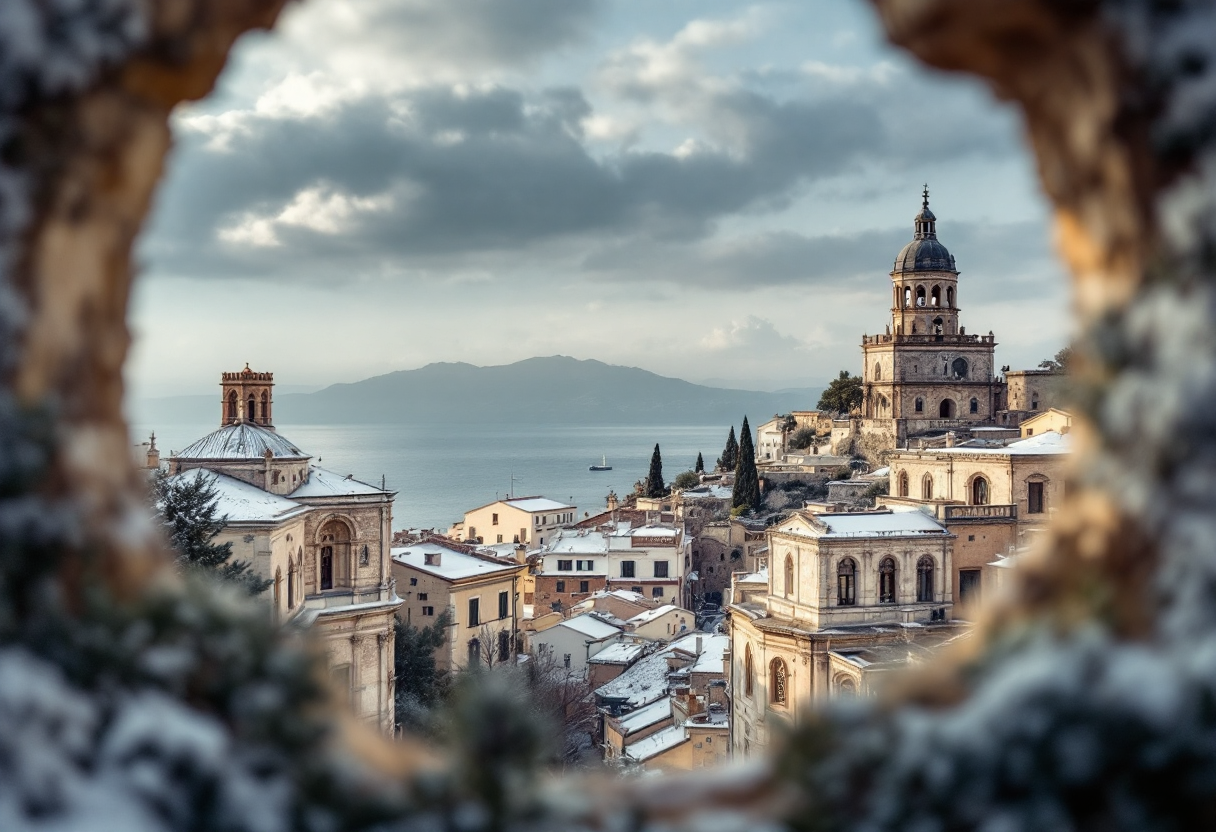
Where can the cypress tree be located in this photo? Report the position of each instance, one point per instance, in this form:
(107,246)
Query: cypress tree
(700,466)
(730,454)
(654,480)
(747,481)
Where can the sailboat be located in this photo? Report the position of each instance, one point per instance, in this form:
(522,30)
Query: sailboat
(603,466)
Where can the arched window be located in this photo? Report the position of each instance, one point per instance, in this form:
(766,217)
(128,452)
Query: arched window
(949,297)
(335,555)
(975,405)
(845,686)
(903,483)
(920,295)
(926,487)
(886,581)
(291,586)
(846,583)
(979,492)
(877,371)
(265,408)
(920,405)
(748,670)
(936,296)
(1034,403)
(278,587)
(789,576)
(474,652)
(938,326)
(907,296)
(946,409)
(778,678)
(924,579)
(959,367)
(232,405)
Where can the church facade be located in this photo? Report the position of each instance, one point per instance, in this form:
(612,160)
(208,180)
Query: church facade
(926,373)
(321,537)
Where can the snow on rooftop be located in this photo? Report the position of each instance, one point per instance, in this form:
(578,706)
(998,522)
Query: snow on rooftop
(884,471)
(646,681)
(453,564)
(1048,442)
(654,531)
(241,441)
(591,626)
(651,615)
(646,716)
(619,653)
(898,521)
(577,542)
(534,504)
(760,577)
(324,483)
(241,502)
(713,649)
(715,492)
(656,743)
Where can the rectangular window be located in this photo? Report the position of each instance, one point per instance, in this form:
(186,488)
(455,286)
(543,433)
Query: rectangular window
(342,678)
(528,596)
(584,565)
(523,535)
(422,596)
(504,604)
(627,569)
(584,587)
(413,582)
(656,591)
(472,532)
(636,589)
(660,569)
(561,586)
(428,610)
(500,538)
(494,520)
(538,521)
(565,565)
(1034,497)
(968,585)
(474,612)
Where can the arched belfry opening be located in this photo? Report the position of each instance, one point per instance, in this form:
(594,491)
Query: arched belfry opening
(247,398)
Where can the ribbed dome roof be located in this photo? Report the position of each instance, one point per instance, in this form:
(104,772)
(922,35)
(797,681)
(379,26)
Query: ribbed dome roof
(925,253)
(242,441)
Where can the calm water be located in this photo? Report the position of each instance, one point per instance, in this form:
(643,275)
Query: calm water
(438,473)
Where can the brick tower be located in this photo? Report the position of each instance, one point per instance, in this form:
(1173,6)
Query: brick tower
(248,398)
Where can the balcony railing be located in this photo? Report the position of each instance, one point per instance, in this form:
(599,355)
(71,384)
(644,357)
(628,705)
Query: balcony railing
(992,512)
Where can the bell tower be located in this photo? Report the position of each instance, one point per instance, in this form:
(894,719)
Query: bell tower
(247,398)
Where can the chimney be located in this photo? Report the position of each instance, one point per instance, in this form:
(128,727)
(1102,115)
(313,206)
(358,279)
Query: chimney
(612,501)
(950,439)
(698,643)
(521,553)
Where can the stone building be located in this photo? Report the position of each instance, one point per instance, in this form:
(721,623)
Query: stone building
(722,548)
(837,585)
(479,593)
(991,498)
(926,372)
(321,537)
(1029,392)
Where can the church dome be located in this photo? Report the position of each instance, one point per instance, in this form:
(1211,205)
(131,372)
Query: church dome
(242,441)
(925,253)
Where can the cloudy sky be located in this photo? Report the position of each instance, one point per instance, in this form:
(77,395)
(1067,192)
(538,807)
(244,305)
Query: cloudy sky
(708,189)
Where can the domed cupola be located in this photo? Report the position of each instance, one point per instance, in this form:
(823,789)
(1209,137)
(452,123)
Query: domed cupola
(925,253)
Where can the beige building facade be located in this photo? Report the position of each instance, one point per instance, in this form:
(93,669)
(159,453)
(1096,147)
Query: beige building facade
(478,593)
(527,520)
(321,538)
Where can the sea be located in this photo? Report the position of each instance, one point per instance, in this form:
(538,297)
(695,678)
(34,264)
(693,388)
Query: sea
(439,471)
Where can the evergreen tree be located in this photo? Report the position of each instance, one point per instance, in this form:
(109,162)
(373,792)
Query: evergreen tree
(842,395)
(747,481)
(186,507)
(730,454)
(654,480)
(419,684)
(700,466)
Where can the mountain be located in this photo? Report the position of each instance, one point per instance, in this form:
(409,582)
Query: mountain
(551,390)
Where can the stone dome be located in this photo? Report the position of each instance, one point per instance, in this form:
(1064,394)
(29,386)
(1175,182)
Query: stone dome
(242,440)
(925,253)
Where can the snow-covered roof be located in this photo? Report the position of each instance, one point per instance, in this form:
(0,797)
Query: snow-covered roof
(620,653)
(1048,442)
(646,681)
(241,502)
(713,649)
(453,564)
(656,743)
(577,542)
(241,441)
(654,531)
(646,716)
(712,492)
(591,626)
(880,472)
(760,577)
(325,483)
(897,521)
(651,615)
(534,504)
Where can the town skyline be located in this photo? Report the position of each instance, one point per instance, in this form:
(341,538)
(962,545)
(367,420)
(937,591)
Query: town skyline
(687,190)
